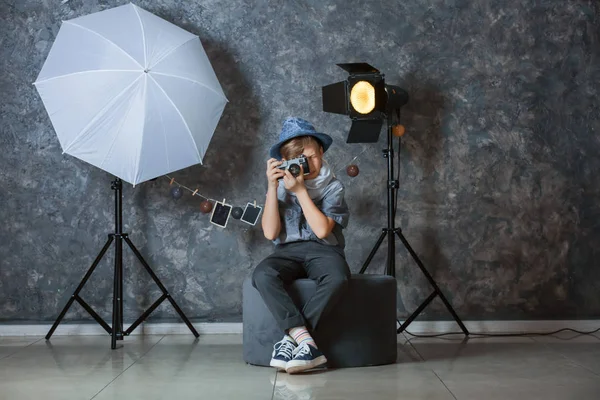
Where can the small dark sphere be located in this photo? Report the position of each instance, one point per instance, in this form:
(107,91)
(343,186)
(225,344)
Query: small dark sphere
(176,192)
(237,212)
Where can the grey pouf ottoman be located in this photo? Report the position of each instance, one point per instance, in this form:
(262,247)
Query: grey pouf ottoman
(360,331)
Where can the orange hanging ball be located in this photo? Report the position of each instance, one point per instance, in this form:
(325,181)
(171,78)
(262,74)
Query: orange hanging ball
(398,130)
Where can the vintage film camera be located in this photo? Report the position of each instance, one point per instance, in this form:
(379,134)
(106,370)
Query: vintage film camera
(294,166)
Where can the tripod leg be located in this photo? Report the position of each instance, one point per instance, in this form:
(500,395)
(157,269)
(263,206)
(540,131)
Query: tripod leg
(120,331)
(116,319)
(81,284)
(142,317)
(391,261)
(417,312)
(375,248)
(432,282)
(161,286)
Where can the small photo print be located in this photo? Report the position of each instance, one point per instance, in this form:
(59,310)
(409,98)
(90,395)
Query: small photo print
(220,214)
(251,214)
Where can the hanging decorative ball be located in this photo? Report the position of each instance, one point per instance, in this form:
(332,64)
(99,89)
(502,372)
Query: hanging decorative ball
(352,170)
(398,130)
(176,192)
(206,206)
(237,212)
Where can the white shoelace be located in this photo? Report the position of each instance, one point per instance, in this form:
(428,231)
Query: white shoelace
(301,350)
(286,347)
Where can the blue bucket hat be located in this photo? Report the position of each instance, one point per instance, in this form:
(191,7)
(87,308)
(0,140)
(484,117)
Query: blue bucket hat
(294,127)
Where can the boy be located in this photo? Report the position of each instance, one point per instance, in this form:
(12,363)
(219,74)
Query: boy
(304,217)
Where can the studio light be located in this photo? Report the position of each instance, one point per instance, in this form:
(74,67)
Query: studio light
(366,99)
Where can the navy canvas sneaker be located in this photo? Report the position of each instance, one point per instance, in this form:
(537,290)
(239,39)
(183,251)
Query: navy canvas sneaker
(305,357)
(282,352)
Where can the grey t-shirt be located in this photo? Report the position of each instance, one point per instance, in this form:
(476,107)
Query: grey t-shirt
(294,226)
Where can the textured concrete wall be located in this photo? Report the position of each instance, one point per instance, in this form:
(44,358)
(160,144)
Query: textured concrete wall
(499,166)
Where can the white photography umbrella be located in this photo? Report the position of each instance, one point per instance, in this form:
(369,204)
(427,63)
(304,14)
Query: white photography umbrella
(131,93)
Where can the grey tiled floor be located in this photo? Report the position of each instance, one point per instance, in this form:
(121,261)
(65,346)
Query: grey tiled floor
(175,367)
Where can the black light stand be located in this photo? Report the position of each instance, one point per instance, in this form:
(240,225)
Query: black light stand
(116,331)
(391,231)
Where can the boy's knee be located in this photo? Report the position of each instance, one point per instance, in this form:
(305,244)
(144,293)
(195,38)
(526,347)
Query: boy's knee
(263,272)
(336,281)
(257,276)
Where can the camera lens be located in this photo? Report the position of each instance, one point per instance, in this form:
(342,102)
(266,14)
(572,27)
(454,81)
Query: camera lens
(294,169)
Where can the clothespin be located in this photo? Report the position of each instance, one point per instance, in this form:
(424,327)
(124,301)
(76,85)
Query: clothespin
(195,191)
(254,203)
(172,180)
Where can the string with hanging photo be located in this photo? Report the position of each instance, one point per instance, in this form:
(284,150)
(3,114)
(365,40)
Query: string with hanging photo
(221,211)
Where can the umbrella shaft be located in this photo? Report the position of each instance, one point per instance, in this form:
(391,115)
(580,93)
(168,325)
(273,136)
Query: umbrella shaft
(117,186)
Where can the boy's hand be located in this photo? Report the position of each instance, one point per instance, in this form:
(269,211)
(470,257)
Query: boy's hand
(273,173)
(294,184)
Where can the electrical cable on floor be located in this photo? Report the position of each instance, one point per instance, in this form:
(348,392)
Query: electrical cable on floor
(505,334)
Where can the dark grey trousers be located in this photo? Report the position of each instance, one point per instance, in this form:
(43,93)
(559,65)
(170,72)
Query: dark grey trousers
(325,264)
